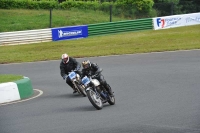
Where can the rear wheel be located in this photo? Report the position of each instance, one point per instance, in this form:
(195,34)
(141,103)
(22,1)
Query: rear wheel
(94,99)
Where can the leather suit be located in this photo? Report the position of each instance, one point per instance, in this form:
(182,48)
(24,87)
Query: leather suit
(65,68)
(94,69)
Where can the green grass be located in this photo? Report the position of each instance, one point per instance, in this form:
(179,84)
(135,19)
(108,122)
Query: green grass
(21,19)
(9,78)
(183,38)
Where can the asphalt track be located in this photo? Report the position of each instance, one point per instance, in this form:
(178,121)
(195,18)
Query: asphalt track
(155,93)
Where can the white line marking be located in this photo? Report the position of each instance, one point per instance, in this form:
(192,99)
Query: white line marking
(40,93)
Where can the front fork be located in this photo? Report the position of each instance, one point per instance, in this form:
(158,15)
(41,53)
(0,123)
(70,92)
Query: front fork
(75,86)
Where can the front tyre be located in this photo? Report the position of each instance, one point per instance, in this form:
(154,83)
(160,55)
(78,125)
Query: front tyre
(94,99)
(111,100)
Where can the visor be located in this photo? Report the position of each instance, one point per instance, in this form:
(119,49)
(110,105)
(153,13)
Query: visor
(86,66)
(65,60)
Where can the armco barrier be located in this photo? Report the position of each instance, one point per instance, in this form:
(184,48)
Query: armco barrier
(25,37)
(45,35)
(12,91)
(120,26)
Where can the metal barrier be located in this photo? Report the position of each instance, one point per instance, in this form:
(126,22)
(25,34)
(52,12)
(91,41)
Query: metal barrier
(25,37)
(45,35)
(120,26)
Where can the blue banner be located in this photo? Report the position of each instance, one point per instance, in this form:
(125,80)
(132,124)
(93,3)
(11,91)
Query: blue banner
(72,32)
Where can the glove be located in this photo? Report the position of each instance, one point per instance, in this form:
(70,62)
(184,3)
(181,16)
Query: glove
(93,76)
(64,77)
(77,69)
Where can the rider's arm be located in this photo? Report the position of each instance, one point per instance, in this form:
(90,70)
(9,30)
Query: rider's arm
(83,73)
(77,64)
(62,70)
(96,68)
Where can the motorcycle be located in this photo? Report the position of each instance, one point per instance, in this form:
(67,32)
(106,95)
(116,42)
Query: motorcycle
(76,80)
(96,92)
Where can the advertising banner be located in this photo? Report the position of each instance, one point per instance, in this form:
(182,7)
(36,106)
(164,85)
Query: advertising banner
(176,21)
(72,32)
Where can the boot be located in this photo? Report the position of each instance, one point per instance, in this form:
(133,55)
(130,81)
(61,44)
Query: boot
(72,86)
(111,92)
(108,88)
(74,89)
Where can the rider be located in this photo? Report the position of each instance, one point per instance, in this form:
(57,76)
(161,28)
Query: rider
(68,64)
(90,69)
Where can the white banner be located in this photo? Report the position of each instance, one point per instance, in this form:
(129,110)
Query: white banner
(176,21)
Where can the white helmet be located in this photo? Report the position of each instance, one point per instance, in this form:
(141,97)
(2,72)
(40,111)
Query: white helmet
(65,58)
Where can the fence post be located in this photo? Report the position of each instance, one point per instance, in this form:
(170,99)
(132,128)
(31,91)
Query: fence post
(110,13)
(50,18)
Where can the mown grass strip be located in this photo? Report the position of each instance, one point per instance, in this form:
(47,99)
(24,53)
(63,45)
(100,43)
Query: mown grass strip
(183,38)
(9,78)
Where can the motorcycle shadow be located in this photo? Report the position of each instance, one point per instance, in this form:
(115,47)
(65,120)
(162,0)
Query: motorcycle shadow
(85,108)
(70,96)
(81,108)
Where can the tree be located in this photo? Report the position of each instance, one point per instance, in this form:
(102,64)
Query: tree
(173,7)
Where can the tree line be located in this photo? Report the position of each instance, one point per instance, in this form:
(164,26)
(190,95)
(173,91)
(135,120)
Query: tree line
(130,9)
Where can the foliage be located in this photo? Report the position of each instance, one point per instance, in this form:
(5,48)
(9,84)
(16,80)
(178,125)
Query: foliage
(128,7)
(27,4)
(189,6)
(139,5)
(167,1)
(80,5)
(173,7)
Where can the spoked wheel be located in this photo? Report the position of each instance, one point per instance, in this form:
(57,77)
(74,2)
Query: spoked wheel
(94,99)
(111,100)
(82,90)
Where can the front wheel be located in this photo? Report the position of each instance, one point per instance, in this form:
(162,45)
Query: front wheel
(82,90)
(94,99)
(111,100)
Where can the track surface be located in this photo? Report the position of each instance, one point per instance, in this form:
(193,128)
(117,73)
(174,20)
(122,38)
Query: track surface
(155,93)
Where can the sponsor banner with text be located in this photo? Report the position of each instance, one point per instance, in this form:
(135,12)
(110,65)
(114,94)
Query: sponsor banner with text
(176,21)
(72,32)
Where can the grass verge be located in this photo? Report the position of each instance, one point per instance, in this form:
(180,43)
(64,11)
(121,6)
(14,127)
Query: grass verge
(182,38)
(9,78)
